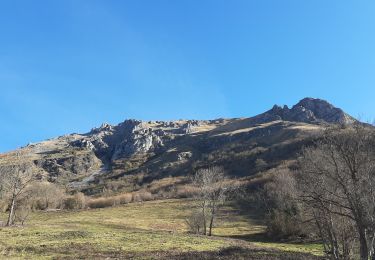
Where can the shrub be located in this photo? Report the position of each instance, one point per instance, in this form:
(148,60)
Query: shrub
(136,197)
(282,224)
(186,191)
(195,222)
(284,218)
(125,198)
(46,195)
(145,195)
(78,201)
(111,201)
(22,214)
(101,202)
(69,203)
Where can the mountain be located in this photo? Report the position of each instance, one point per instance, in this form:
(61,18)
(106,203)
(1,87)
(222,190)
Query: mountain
(137,153)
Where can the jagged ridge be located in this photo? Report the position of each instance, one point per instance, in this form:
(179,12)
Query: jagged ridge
(172,147)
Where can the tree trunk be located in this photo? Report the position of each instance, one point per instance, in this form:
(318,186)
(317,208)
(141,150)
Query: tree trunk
(213,212)
(363,249)
(204,219)
(372,246)
(211,224)
(11,212)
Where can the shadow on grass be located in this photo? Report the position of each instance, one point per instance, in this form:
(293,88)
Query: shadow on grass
(256,237)
(264,238)
(255,218)
(242,253)
(91,251)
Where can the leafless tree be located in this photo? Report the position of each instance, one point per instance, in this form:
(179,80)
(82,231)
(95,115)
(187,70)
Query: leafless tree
(15,179)
(337,181)
(212,192)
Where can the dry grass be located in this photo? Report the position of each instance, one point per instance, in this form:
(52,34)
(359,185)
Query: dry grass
(104,202)
(138,230)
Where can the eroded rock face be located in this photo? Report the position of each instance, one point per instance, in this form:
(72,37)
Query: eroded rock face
(140,141)
(122,141)
(67,165)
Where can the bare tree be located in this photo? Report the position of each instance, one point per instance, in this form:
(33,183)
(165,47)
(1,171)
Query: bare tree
(337,181)
(213,191)
(15,180)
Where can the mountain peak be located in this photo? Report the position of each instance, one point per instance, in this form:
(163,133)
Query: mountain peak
(325,111)
(315,103)
(307,110)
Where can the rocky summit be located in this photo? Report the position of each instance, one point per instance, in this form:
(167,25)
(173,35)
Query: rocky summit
(308,110)
(160,149)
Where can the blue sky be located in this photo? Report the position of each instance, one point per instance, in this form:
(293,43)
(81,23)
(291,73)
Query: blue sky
(67,66)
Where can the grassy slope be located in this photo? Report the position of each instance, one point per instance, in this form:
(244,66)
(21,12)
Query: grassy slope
(142,230)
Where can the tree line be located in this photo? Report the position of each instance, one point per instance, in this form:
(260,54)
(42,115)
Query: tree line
(330,194)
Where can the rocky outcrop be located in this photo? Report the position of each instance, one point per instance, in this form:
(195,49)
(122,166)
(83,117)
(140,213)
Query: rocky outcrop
(324,111)
(67,165)
(308,110)
(82,143)
(139,141)
(125,140)
(184,156)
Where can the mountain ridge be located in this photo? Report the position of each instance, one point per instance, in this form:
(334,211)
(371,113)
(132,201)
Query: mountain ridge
(177,148)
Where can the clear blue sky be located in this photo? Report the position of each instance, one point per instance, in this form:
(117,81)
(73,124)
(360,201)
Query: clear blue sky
(66,66)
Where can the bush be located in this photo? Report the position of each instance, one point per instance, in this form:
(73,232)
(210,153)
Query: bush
(22,214)
(284,218)
(69,203)
(110,201)
(195,222)
(78,201)
(136,197)
(186,191)
(281,224)
(101,202)
(46,195)
(125,198)
(145,195)
(142,196)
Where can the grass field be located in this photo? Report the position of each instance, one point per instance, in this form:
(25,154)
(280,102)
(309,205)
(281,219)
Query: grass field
(148,230)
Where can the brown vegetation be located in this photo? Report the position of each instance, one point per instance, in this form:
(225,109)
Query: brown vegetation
(337,180)
(103,202)
(331,194)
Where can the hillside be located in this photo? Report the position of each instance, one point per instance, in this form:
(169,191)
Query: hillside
(137,154)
